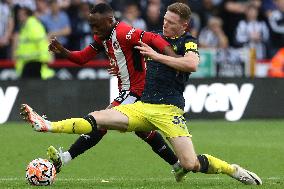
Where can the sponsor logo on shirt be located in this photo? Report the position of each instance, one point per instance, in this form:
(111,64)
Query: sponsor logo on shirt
(190,46)
(128,35)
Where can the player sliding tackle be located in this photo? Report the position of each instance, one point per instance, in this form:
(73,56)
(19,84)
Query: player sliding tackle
(161,104)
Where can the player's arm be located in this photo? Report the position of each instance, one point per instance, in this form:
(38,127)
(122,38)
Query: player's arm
(155,41)
(188,63)
(78,57)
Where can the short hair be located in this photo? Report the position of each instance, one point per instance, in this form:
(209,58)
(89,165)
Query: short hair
(101,8)
(180,9)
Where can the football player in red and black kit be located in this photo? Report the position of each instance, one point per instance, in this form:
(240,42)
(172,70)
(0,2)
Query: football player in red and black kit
(117,40)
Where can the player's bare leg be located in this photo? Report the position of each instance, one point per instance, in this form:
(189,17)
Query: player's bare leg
(208,164)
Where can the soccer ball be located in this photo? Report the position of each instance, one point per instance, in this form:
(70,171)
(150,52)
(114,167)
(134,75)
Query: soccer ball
(40,172)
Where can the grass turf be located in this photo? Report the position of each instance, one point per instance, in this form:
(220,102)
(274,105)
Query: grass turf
(124,161)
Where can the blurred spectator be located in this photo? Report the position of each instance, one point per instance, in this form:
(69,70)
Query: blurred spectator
(230,62)
(153,17)
(81,35)
(213,36)
(276,23)
(208,10)
(72,11)
(131,16)
(6,29)
(25,3)
(194,24)
(64,4)
(267,7)
(42,8)
(31,47)
(57,23)
(119,5)
(232,11)
(253,33)
(277,64)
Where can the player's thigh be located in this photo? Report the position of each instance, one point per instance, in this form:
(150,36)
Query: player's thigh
(168,119)
(184,149)
(137,119)
(111,119)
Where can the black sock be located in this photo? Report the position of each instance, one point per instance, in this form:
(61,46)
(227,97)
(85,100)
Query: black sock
(159,145)
(204,163)
(85,142)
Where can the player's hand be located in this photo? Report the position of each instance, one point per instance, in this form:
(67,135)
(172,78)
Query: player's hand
(113,71)
(146,50)
(55,46)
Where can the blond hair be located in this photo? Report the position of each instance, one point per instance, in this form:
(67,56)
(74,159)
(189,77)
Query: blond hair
(180,9)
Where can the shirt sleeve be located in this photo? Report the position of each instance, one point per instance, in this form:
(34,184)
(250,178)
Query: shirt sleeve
(83,56)
(151,39)
(88,53)
(155,40)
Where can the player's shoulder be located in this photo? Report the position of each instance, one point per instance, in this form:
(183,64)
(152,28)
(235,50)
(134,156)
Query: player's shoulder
(159,32)
(125,31)
(122,26)
(189,37)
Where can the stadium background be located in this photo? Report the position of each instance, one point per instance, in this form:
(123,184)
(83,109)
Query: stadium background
(236,81)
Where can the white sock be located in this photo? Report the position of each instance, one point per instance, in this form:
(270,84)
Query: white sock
(176,165)
(66,157)
(48,124)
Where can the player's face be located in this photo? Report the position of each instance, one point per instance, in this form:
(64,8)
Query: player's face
(100,25)
(173,26)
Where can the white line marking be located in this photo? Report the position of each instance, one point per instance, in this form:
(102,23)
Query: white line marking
(130,179)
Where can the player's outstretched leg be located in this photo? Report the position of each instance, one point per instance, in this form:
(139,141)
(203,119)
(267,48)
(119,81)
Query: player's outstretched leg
(39,123)
(71,126)
(213,165)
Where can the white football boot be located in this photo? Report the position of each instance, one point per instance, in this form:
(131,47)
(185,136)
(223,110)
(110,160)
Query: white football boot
(246,176)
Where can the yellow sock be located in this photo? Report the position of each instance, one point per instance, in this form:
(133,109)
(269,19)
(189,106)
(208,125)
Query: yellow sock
(71,126)
(217,166)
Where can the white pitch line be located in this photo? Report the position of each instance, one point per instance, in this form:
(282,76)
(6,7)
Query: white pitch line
(130,179)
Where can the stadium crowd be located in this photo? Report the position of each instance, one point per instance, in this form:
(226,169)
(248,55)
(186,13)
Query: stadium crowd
(218,24)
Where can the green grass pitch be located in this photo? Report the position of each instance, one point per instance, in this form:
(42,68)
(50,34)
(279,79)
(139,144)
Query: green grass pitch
(124,161)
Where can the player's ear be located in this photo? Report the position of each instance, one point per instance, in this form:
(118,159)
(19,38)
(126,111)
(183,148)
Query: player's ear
(185,26)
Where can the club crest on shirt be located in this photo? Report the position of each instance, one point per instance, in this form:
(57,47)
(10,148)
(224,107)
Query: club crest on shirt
(115,45)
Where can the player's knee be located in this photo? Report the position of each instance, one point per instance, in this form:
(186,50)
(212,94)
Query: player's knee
(98,116)
(92,121)
(146,135)
(94,134)
(103,131)
(190,164)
